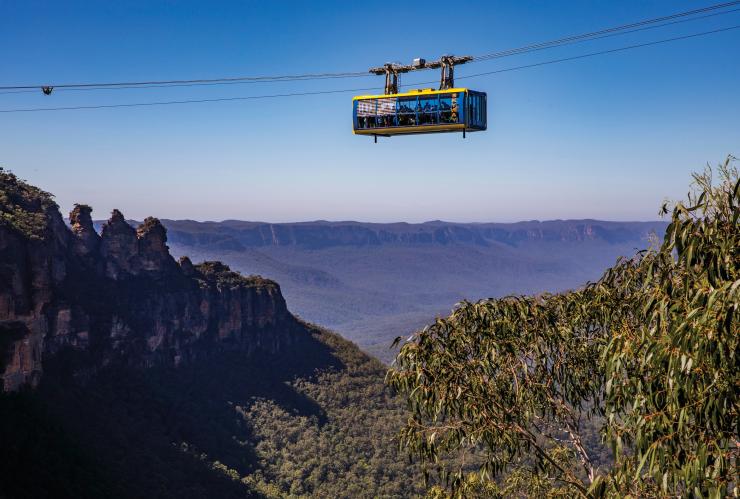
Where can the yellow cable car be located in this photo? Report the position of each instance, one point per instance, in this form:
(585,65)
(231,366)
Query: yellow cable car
(420,111)
(449,109)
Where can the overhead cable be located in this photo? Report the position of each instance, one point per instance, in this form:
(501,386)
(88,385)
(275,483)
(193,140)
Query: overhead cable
(296,94)
(653,23)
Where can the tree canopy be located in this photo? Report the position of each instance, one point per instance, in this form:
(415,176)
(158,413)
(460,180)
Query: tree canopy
(627,386)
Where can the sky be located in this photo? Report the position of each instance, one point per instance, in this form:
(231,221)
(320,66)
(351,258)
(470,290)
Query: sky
(608,137)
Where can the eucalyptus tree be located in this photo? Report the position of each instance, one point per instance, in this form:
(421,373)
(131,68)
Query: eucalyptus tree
(671,369)
(504,394)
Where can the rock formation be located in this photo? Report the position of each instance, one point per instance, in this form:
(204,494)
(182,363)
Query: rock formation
(118,296)
(87,241)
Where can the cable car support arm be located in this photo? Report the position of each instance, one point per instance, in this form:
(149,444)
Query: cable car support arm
(446,63)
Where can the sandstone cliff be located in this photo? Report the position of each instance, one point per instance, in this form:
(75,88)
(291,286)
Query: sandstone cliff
(117,296)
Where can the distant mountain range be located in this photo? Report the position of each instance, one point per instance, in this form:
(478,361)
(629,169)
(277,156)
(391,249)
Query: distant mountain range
(372,282)
(239,235)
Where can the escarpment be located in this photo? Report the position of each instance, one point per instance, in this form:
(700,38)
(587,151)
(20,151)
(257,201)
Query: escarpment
(235,235)
(117,296)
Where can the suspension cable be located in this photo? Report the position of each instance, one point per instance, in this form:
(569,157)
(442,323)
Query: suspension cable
(295,94)
(613,31)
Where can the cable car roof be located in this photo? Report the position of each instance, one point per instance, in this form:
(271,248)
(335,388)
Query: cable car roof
(412,93)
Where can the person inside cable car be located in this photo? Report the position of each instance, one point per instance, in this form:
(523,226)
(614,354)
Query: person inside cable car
(404,115)
(426,116)
(444,111)
(430,112)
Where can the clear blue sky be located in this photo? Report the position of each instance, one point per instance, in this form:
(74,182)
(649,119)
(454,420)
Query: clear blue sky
(608,137)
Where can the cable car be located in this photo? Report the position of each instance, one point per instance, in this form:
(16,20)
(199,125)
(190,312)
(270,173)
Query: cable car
(449,109)
(420,111)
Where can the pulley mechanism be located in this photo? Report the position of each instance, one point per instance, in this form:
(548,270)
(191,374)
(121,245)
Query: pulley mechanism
(446,63)
(391,76)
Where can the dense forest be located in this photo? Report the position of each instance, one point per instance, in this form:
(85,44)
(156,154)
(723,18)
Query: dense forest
(315,421)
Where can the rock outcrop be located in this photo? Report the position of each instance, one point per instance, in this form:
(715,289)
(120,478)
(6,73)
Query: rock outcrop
(87,241)
(118,296)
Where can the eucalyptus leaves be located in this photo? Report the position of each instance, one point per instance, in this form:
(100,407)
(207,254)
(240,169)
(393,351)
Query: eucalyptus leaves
(504,394)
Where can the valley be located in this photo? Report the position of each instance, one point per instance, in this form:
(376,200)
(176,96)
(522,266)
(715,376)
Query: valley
(374,282)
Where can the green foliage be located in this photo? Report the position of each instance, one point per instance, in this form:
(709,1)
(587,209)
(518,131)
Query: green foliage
(672,368)
(511,379)
(313,421)
(350,451)
(652,346)
(227,278)
(23,207)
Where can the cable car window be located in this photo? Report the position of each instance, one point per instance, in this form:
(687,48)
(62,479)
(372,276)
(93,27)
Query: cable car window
(365,113)
(474,108)
(449,108)
(471,109)
(407,111)
(477,110)
(445,108)
(484,110)
(429,106)
(386,112)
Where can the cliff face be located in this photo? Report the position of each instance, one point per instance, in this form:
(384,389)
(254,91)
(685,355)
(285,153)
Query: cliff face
(118,296)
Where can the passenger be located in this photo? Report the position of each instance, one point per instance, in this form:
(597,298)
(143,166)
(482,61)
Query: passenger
(453,114)
(444,112)
(408,115)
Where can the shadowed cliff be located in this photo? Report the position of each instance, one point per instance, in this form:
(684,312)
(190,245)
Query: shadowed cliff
(117,296)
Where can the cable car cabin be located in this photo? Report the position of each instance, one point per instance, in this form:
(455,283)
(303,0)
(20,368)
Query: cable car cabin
(420,111)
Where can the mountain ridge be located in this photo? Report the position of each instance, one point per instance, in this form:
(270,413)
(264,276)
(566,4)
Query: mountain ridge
(242,234)
(372,282)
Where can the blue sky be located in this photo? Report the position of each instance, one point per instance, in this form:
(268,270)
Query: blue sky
(608,137)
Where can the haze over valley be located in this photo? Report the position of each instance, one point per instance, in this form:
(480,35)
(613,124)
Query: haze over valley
(373,282)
